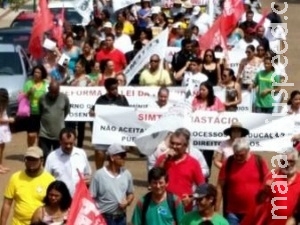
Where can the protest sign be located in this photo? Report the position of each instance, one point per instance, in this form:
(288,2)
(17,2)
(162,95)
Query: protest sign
(157,45)
(84,8)
(120,4)
(83,98)
(170,51)
(235,56)
(206,127)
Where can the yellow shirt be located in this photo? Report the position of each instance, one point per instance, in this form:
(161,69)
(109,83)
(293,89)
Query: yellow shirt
(128,28)
(27,194)
(158,78)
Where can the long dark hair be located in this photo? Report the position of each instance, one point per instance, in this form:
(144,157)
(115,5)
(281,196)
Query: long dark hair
(4,99)
(292,96)
(62,188)
(211,94)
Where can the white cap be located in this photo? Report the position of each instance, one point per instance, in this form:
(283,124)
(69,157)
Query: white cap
(107,25)
(196,10)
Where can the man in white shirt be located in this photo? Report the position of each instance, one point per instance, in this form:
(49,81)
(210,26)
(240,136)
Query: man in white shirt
(162,101)
(276,35)
(122,41)
(247,40)
(67,161)
(201,20)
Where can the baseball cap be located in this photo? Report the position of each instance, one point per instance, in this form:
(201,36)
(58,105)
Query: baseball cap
(115,149)
(34,152)
(107,25)
(196,10)
(204,190)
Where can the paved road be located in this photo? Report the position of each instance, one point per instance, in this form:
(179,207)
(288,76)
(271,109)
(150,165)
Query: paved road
(14,151)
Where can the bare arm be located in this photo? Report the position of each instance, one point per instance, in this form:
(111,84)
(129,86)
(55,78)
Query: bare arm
(219,195)
(218,160)
(6,206)
(240,70)
(179,75)
(219,73)
(36,217)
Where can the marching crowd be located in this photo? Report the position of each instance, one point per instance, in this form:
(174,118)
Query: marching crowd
(178,174)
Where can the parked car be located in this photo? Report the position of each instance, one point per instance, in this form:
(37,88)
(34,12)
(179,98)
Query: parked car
(17,35)
(71,15)
(14,70)
(23,19)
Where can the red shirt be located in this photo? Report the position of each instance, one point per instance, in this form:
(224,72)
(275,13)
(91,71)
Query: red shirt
(183,174)
(292,196)
(114,55)
(243,184)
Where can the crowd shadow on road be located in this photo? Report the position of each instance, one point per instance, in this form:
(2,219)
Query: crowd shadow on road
(16,157)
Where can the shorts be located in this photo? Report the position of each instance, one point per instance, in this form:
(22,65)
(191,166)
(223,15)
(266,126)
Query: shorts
(33,123)
(101,147)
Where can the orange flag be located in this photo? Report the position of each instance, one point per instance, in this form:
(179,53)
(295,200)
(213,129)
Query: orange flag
(83,209)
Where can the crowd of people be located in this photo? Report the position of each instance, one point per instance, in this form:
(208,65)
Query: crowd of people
(178,173)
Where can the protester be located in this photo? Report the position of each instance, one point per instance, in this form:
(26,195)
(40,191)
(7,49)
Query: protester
(211,68)
(66,162)
(56,204)
(182,169)
(26,189)
(224,151)
(162,101)
(107,68)
(54,107)
(5,134)
(149,208)
(205,196)
(155,75)
(233,93)
(266,85)
(34,89)
(240,179)
(112,97)
(72,51)
(287,202)
(112,187)
(249,23)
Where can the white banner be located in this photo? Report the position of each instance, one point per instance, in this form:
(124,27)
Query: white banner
(110,126)
(157,45)
(84,8)
(120,4)
(83,98)
(235,56)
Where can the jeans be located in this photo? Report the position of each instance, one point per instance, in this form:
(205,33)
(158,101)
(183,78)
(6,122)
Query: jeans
(234,219)
(115,220)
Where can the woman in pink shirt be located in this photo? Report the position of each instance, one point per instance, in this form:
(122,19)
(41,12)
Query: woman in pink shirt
(206,100)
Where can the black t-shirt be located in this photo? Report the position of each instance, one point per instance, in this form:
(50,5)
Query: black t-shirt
(120,100)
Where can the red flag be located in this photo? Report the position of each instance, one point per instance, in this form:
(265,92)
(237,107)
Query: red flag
(83,210)
(58,29)
(232,13)
(43,22)
(214,36)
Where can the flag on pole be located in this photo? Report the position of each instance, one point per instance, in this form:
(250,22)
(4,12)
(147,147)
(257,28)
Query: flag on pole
(83,209)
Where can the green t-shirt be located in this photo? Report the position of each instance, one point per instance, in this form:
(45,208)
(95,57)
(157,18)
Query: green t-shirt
(194,218)
(263,81)
(36,95)
(94,76)
(157,214)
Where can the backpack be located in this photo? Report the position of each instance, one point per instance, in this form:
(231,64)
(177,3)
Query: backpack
(171,205)
(259,165)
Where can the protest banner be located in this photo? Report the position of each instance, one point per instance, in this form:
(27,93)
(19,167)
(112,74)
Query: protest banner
(206,127)
(120,4)
(170,51)
(83,98)
(157,45)
(235,56)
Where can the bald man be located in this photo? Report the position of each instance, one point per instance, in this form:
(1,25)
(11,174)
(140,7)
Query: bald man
(54,107)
